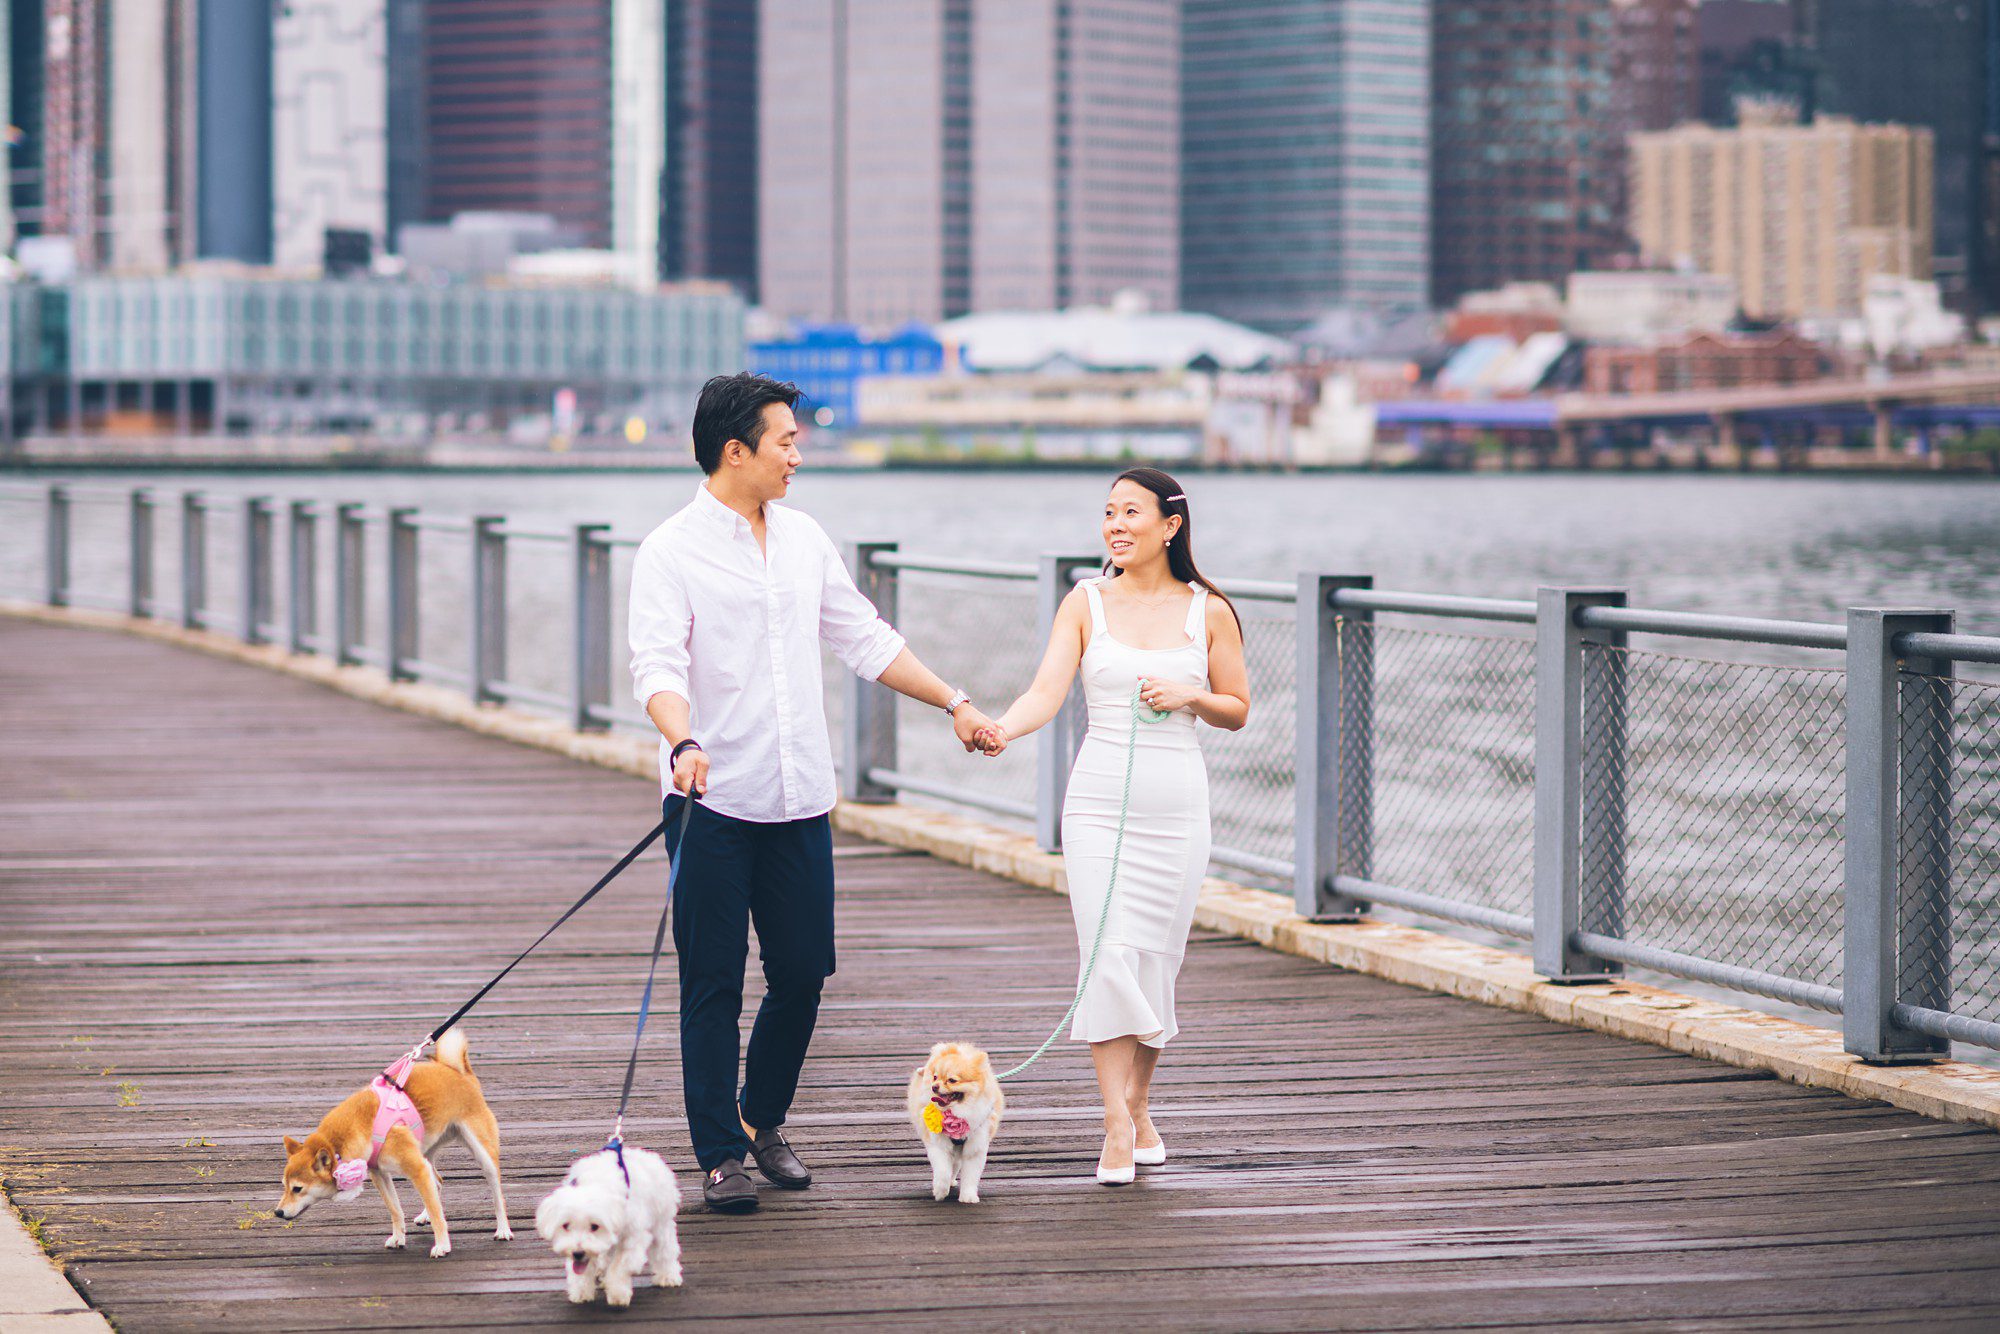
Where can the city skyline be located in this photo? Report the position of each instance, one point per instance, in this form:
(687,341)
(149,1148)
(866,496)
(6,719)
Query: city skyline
(885,161)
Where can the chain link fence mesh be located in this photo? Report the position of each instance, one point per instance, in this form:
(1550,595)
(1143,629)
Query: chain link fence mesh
(1733,785)
(1948,905)
(1454,760)
(1250,771)
(982,636)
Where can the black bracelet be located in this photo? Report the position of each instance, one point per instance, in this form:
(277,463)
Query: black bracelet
(689,744)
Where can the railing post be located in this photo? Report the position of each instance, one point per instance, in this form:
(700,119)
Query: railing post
(1055,749)
(1334,748)
(139,564)
(302,567)
(194,560)
(56,534)
(1896,943)
(488,636)
(256,568)
(591,684)
(350,586)
(869,733)
(1579,787)
(402,647)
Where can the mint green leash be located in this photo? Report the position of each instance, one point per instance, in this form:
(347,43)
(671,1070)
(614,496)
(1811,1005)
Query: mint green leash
(1141,711)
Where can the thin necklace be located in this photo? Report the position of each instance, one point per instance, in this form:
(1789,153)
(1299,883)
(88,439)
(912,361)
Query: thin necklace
(1160,601)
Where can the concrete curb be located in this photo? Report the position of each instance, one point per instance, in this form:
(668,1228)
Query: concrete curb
(1946,1091)
(35,1297)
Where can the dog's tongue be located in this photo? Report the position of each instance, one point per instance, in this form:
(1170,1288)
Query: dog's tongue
(576,1263)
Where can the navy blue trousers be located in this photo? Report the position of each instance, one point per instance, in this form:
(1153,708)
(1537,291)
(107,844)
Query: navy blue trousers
(779,876)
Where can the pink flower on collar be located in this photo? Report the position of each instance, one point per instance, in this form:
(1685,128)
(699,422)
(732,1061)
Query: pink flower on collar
(954,1126)
(350,1175)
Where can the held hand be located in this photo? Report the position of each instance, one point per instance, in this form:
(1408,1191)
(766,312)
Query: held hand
(1167,696)
(691,773)
(991,740)
(966,723)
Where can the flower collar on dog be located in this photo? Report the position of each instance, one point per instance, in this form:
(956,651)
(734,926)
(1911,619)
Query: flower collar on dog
(940,1119)
(392,1108)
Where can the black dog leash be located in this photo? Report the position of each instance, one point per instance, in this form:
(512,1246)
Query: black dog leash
(615,1146)
(568,913)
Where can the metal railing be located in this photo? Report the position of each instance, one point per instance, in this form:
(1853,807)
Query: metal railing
(1813,816)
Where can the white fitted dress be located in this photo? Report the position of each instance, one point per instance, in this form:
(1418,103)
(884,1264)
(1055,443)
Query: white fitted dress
(1165,853)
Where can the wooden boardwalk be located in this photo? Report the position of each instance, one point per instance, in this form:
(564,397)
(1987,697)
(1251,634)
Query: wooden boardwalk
(227,897)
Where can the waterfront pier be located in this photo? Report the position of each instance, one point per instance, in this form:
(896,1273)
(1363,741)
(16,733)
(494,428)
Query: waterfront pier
(232,894)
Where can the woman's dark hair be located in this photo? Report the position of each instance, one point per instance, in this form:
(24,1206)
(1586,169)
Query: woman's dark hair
(731,407)
(1180,549)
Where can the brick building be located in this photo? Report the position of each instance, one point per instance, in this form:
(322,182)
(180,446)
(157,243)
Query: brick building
(1704,361)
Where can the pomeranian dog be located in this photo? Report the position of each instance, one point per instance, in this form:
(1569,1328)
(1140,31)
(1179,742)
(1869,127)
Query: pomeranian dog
(610,1220)
(403,1117)
(955,1104)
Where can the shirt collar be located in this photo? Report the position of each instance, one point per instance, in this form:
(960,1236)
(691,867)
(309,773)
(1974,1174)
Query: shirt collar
(718,515)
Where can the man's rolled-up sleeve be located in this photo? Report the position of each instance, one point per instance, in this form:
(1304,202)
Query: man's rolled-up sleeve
(850,625)
(659,623)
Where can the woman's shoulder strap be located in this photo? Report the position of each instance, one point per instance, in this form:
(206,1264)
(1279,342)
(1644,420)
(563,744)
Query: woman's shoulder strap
(1093,594)
(1197,620)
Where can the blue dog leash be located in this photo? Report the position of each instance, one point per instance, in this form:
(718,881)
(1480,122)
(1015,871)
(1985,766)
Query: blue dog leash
(615,1146)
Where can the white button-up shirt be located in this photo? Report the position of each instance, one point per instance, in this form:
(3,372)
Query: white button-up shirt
(735,631)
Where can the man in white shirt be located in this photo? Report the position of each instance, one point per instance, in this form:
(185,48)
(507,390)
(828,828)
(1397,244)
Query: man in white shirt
(731,598)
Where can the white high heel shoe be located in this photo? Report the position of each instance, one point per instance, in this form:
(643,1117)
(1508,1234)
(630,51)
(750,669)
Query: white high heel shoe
(1153,1157)
(1113,1176)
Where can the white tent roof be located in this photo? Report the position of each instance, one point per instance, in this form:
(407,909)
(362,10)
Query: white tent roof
(1106,340)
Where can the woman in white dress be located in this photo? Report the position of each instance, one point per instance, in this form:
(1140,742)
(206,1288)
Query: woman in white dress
(1153,627)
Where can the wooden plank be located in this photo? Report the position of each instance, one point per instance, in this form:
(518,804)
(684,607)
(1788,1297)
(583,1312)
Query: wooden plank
(229,896)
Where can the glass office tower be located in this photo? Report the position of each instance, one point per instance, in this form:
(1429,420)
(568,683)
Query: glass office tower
(1305,156)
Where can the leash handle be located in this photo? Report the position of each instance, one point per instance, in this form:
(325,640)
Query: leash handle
(568,913)
(679,856)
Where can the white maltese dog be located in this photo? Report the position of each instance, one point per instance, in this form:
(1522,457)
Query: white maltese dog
(611,1219)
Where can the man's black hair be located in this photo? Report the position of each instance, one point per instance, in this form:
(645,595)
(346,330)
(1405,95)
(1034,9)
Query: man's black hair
(731,407)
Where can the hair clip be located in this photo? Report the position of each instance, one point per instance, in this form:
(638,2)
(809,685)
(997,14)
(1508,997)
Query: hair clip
(1177,497)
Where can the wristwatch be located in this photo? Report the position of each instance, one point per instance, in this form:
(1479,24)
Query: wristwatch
(958,697)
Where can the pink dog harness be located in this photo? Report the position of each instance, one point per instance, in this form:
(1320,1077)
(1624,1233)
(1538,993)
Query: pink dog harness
(392,1108)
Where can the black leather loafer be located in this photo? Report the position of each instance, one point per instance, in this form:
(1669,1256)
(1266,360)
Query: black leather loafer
(729,1189)
(775,1159)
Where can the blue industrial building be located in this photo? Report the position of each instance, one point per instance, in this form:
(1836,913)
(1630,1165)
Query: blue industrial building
(827,361)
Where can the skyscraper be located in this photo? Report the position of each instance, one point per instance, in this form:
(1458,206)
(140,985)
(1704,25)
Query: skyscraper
(920,158)
(329,109)
(72,128)
(1305,133)
(138,220)
(1655,63)
(534,106)
(1532,104)
(11,147)
(120,144)
(1931,63)
(1749,48)
(708,213)
(233,197)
